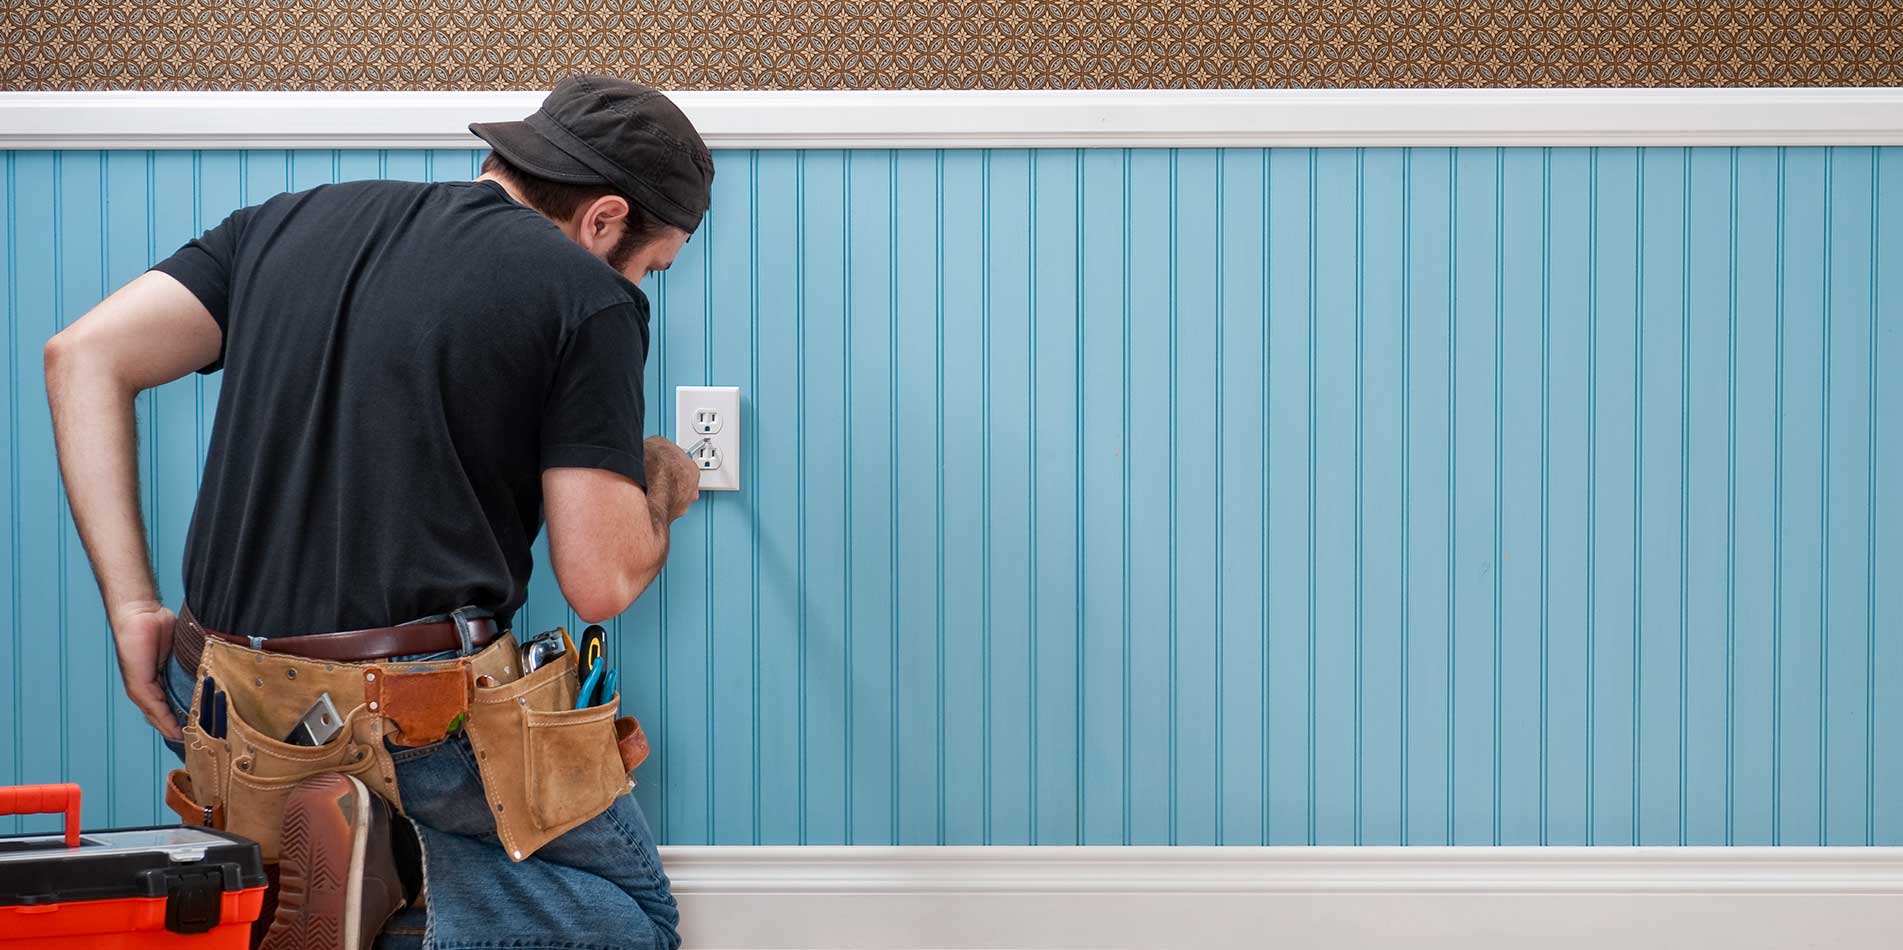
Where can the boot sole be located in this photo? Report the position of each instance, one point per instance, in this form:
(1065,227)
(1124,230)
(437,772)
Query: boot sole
(324,878)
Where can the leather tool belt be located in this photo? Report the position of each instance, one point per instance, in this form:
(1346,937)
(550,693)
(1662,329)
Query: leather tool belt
(189,636)
(546,767)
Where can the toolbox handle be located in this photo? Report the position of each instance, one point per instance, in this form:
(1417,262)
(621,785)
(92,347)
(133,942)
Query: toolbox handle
(44,800)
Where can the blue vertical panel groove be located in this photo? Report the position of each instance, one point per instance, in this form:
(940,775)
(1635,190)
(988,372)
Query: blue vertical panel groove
(1031,452)
(1453,347)
(1124,454)
(892,466)
(751,450)
(1081,682)
(1777,515)
(1308,692)
(938,474)
(1041,542)
(1222,455)
(1731,495)
(1402,802)
(1499,413)
(1268,789)
(1684,491)
(1360,266)
(1823,522)
(1174,442)
(1870,505)
(1544,833)
(1592,482)
(986,424)
(799,473)
(1638,496)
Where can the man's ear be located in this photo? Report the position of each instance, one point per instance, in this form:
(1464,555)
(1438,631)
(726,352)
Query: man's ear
(597,223)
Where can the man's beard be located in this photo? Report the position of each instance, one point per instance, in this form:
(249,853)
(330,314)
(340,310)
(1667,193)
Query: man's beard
(624,249)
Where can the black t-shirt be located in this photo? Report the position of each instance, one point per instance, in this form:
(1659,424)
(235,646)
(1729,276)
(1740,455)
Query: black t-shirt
(401,361)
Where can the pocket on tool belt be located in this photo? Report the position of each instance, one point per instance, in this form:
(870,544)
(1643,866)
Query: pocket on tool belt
(206,759)
(574,767)
(546,766)
(263,771)
(259,759)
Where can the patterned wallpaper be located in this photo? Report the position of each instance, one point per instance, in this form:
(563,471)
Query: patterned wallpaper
(937,44)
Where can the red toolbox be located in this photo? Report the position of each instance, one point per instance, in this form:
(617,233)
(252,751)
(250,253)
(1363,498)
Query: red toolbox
(165,887)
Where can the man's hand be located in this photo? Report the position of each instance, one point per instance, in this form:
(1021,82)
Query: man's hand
(143,635)
(673,478)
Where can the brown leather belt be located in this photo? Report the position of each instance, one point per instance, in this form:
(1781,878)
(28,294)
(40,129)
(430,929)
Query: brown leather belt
(351,646)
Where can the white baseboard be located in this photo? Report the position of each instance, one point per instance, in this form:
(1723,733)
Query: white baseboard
(782,898)
(990,119)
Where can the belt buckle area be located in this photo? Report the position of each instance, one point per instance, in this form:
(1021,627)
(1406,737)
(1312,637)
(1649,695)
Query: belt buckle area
(423,707)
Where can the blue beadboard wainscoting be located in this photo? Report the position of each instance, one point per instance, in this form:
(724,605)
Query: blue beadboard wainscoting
(1476,496)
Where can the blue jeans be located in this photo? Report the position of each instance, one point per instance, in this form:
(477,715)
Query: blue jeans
(598,887)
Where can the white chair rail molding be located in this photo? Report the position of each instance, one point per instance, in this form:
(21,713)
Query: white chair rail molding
(992,119)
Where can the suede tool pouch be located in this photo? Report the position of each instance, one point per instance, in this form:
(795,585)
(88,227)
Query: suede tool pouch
(249,771)
(546,766)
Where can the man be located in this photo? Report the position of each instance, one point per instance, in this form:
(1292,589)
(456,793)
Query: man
(415,376)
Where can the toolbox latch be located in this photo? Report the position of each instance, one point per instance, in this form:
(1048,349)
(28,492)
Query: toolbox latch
(194,895)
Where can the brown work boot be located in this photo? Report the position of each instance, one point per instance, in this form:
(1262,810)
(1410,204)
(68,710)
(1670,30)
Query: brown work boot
(337,881)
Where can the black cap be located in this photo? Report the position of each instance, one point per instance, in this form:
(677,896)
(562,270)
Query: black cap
(597,130)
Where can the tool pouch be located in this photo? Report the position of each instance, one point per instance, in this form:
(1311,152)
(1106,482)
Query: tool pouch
(546,766)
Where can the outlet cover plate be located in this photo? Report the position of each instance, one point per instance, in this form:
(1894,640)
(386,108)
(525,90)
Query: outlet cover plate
(724,402)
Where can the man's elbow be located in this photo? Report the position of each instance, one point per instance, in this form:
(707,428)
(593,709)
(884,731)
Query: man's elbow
(57,354)
(62,356)
(599,598)
(69,355)
(598,607)
(602,604)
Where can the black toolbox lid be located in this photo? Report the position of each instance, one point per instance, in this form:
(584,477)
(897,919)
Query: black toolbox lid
(129,862)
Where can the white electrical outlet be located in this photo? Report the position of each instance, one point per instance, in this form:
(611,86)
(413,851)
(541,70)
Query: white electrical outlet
(707,427)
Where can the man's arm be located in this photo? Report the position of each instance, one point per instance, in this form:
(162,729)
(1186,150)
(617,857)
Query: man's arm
(607,538)
(150,332)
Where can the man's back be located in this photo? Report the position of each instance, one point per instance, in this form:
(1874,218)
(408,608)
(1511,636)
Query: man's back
(400,363)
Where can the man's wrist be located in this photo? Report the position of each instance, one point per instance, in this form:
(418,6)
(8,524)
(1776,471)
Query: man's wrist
(664,485)
(662,489)
(134,606)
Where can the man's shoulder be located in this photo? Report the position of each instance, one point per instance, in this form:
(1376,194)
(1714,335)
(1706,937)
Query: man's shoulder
(552,264)
(368,189)
(500,249)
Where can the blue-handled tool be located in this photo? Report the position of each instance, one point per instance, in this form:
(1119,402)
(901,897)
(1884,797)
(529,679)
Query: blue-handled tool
(608,686)
(588,684)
